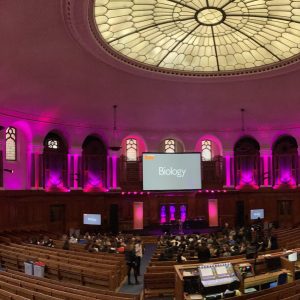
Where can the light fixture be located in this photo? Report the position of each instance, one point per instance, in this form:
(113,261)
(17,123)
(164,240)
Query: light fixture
(8,170)
(114,146)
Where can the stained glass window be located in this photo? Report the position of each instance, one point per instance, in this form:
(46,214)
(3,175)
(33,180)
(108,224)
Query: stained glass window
(201,35)
(131,149)
(11,143)
(170,146)
(206,150)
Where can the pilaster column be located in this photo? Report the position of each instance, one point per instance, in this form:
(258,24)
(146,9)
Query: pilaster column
(36,167)
(2,143)
(74,174)
(112,170)
(229,169)
(266,176)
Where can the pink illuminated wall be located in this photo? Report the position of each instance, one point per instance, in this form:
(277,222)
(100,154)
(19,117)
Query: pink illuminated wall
(138,215)
(114,172)
(20,178)
(213,215)
(163,214)
(182,212)
(172,211)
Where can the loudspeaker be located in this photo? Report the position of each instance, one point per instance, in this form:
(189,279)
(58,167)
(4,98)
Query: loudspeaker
(114,218)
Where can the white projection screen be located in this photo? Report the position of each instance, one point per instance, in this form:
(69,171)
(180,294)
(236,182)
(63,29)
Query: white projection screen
(257,213)
(91,219)
(171,171)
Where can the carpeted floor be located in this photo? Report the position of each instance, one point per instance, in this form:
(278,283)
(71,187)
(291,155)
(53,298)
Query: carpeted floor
(137,288)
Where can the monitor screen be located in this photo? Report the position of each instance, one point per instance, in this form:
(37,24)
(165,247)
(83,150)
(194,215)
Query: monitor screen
(91,219)
(207,272)
(257,213)
(171,171)
(293,256)
(221,270)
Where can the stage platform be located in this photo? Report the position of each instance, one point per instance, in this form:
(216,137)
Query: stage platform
(162,230)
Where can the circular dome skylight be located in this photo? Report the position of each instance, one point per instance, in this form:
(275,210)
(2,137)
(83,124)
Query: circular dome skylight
(201,35)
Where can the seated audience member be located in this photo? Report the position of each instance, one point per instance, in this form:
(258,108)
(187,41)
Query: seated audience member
(225,229)
(73,239)
(180,258)
(225,251)
(66,245)
(243,248)
(203,253)
(87,236)
(274,242)
(47,242)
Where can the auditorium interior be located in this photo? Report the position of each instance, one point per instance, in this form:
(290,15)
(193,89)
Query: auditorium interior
(149,149)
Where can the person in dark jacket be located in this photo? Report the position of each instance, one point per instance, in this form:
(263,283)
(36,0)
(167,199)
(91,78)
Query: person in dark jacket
(203,253)
(131,261)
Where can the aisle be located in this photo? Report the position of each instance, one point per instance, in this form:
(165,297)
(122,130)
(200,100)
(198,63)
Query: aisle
(137,288)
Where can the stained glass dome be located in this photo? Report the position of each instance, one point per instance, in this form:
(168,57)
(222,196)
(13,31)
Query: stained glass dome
(201,35)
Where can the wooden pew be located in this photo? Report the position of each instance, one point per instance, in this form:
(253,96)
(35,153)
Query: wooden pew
(4,295)
(159,284)
(63,271)
(66,286)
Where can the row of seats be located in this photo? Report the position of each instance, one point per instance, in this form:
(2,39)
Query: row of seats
(288,238)
(159,278)
(85,268)
(16,285)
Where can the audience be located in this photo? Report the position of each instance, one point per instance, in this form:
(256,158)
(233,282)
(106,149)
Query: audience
(225,243)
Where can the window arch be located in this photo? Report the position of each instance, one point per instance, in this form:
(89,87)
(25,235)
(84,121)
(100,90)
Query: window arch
(247,162)
(11,144)
(131,149)
(206,150)
(285,161)
(169,146)
(94,164)
(55,162)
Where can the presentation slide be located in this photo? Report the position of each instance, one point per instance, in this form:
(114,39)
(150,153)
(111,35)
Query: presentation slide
(91,219)
(176,171)
(257,213)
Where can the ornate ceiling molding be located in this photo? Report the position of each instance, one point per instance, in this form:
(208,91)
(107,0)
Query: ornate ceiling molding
(217,23)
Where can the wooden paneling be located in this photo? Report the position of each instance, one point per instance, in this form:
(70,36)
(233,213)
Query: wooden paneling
(31,209)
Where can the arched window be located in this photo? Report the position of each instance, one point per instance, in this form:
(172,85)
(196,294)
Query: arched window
(285,162)
(206,150)
(55,162)
(94,161)
(131,149)
(247,162)
(11,144)
(170,146)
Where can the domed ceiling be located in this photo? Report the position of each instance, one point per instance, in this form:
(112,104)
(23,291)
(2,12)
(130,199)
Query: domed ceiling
(201,35)
(49,79)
